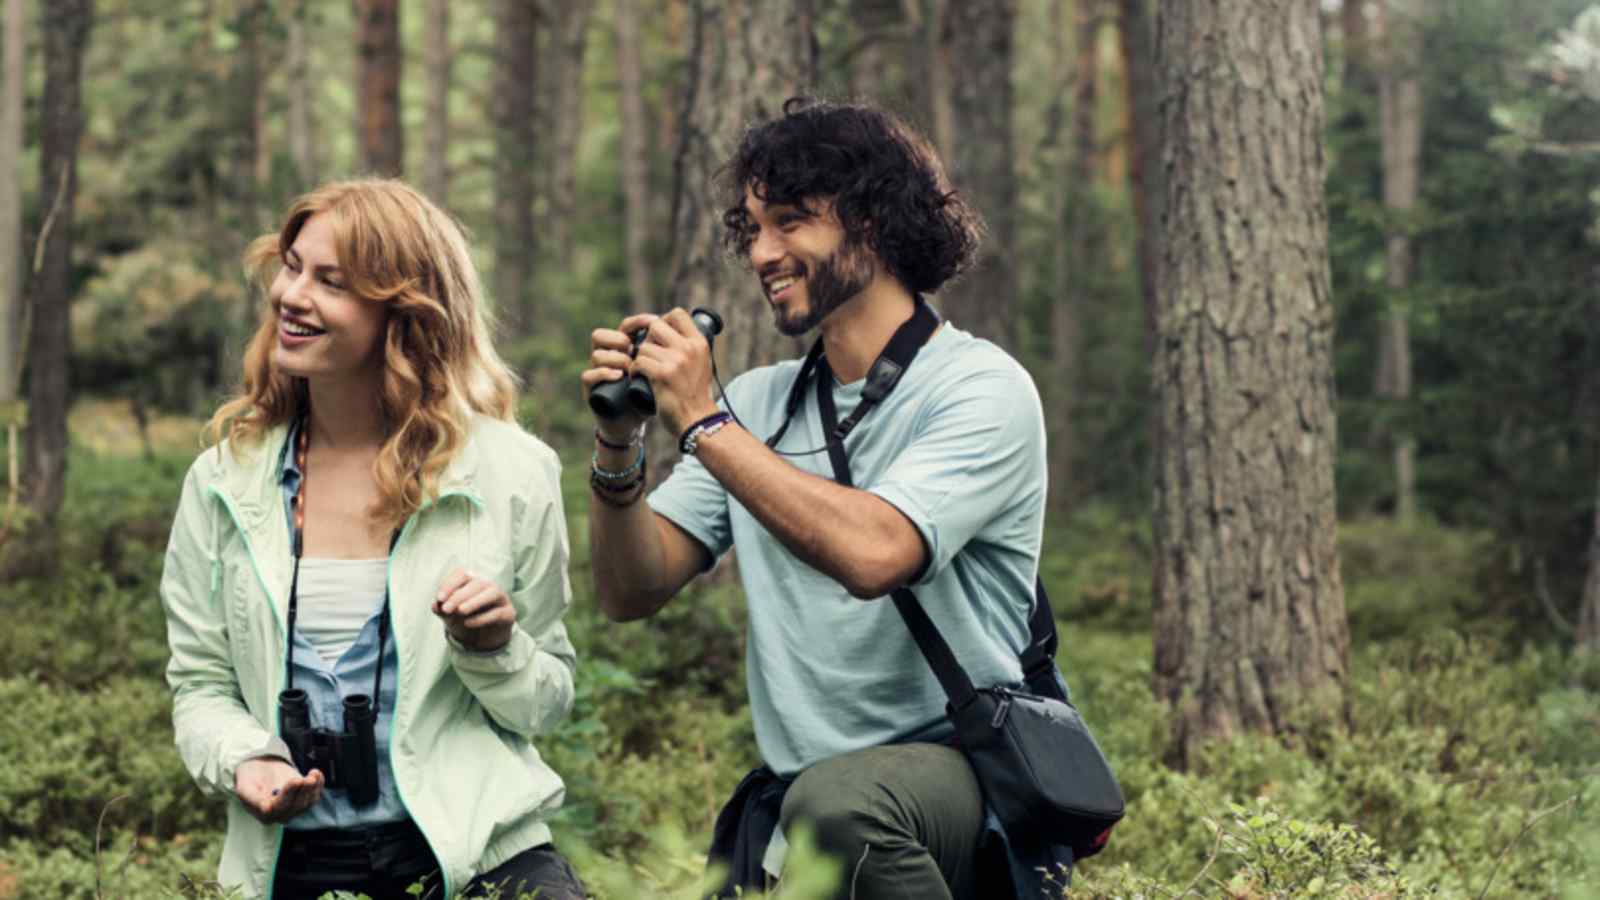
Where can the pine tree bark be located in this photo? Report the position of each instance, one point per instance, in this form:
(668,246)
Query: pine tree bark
(437,61)
(378,86)
(11,94)
(1250,617)
(635,160)
(1399,44)
(516,122)
(978,40)
(64,26)
(745,60)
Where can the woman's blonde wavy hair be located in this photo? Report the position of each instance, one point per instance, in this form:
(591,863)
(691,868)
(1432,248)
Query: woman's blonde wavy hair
(394,246)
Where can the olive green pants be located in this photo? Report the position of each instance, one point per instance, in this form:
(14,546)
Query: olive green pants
(905,819)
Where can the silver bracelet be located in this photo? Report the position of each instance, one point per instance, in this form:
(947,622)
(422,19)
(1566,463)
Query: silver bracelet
(699,431)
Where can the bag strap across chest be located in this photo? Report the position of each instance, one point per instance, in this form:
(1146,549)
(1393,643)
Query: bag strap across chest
(882,378)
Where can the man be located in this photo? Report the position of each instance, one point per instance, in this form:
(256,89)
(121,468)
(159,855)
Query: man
(846,218)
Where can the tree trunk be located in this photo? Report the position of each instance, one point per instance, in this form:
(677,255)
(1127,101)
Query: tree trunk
(378,86)
(516,133)
(1141,106)
(1075,249)
(1399,44)
(635,162)
(1588,635)
(978,39)
(569,41)
(1250,616)
(745,60)
(242,188)
(65,30)
(940,104)
(301,148)
(437,59)
(880,33)
(11,93)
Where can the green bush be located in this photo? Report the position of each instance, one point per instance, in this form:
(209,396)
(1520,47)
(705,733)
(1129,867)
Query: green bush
(71,755)
(1409,581)
(1462,764)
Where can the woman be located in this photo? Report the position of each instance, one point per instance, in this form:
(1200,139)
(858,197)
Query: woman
(374,524)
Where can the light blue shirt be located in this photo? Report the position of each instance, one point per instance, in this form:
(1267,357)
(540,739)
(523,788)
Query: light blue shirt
(326,689)
(959,448)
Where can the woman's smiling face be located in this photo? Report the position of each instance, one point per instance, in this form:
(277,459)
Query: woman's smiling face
(325,332)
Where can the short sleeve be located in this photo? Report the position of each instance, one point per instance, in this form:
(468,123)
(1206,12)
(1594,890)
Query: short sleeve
(696,502)
(975,466)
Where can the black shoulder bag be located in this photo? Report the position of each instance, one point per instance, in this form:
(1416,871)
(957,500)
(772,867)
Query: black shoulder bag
(1041,771)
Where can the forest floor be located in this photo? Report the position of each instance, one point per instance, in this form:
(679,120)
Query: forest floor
(1465,765)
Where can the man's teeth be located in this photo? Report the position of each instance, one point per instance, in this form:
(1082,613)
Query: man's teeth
(300,330)
(779,284)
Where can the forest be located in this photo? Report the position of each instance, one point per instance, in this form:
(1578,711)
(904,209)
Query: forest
(1310,290)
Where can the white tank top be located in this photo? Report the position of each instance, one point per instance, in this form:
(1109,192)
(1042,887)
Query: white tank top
(337,597)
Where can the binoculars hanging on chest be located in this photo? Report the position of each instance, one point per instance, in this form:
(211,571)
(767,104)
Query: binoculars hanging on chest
(633,392)
(347,759)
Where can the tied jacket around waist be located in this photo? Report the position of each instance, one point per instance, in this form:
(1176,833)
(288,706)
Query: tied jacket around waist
(464,723)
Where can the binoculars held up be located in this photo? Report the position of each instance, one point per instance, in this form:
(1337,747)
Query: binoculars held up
(613,398)
(348,759)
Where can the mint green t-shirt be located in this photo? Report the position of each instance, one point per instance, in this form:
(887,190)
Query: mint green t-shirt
(959,448)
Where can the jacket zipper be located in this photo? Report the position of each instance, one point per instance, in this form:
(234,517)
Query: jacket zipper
(255,566)
(277,850)
(444,871)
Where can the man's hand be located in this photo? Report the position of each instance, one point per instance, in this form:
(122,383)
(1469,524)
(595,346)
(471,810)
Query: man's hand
(476,611)
(677,359)
(274,791)
(610,358)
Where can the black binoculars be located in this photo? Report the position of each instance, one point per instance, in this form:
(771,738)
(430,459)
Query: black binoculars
(633,392)
(348,759)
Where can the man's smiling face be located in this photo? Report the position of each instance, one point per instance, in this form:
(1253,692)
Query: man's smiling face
(808,266)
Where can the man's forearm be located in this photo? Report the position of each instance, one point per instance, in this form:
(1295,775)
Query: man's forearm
(626,552)
(850,535)
(627,558)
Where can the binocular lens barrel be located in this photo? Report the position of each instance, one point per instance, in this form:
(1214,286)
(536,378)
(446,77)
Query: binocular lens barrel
(613,398)
(294,709)
(360,750)
(347,759)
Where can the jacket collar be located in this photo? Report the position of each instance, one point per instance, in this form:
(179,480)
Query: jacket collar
(253,483)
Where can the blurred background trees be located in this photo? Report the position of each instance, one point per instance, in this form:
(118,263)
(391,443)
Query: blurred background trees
(1202,311)
(579,142)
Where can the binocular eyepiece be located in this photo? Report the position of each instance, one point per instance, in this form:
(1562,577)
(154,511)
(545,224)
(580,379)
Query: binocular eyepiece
(347,759)
(613,398)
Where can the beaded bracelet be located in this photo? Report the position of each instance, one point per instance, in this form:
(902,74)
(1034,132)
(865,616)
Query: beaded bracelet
(689,442)
(634,439)
(612,495)
(616,476)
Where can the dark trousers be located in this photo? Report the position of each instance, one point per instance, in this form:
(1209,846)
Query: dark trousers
(905,819)
(384,861)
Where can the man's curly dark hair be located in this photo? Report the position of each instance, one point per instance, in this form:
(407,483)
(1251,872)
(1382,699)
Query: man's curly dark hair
(888,187)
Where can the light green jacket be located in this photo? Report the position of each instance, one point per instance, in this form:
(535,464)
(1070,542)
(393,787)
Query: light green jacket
(462,752)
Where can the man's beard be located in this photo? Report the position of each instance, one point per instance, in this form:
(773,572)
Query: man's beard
(830,284)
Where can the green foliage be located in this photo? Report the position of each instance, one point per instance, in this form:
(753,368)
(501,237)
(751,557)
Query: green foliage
(1504,347)
(1402,581)
(150,323)
(69,753)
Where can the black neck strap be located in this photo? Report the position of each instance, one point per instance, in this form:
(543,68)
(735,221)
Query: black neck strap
(298,546)
(957,685)
(881,378)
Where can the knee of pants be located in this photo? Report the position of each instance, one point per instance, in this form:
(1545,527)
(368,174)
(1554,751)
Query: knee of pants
(842,812)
